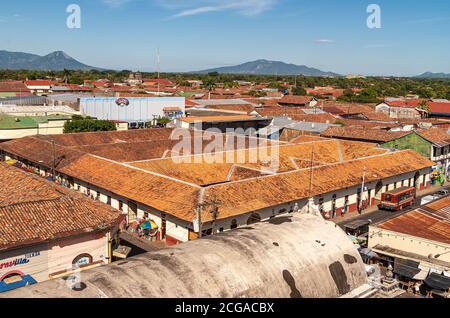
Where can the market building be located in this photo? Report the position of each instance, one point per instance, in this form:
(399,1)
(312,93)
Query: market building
(48,231)
(246,123)
(140,173)
(417,243)
(134,110)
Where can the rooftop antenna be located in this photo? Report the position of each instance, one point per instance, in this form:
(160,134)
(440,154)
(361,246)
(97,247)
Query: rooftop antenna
(158,61)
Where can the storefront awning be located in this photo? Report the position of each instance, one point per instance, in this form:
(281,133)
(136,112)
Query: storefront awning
(437,281)
(22,282)
(406,268)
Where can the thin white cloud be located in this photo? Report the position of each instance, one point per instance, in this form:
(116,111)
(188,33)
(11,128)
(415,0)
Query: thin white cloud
(427,20)
(243,7)
(325,41)
(116,3)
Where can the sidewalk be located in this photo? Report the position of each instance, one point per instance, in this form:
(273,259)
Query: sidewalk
(374,209)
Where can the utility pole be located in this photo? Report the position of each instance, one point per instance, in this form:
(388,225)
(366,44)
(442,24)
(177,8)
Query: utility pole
(311,175)
(362,190)
(54,160)
(198,215)
(215,213)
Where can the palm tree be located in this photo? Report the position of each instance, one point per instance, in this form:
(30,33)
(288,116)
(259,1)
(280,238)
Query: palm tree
(67,74)
(209,84)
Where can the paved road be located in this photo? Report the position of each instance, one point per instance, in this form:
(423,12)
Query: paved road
(379,216)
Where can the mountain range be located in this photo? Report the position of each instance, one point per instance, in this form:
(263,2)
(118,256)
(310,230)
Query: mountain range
(56,61)
(59,60)
(434,75)
(265,67)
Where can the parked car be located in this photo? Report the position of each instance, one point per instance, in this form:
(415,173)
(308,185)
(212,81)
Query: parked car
(428,199)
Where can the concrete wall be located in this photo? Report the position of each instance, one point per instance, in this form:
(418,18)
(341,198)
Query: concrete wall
(408,243)
(55,259)
(62,253)
(50,128)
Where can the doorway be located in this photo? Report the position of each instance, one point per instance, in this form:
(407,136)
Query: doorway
(132,211)
(254,218)
(417,180)
(378,190)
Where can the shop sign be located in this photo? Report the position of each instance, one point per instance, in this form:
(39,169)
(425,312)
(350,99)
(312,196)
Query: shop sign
(19,261)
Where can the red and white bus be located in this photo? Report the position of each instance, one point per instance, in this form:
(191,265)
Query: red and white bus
(398,199)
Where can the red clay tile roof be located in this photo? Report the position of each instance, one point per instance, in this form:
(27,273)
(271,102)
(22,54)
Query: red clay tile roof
(33,210)
(413,103)
(348,108)
(156,81)
(238,108)
(217,118)
(176,189)
(306,138)
(438,136)
(295,100)
(255,194)
(38,83)
(352,133)
(13,86)
(440,108)
(296,114)
(367,124)
(376,116)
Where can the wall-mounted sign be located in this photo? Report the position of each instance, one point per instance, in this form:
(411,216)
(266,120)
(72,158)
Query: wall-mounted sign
(19,261)
(122,102)
(84,259)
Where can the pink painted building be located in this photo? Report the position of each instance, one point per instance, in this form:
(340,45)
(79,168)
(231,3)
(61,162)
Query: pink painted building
(47,231)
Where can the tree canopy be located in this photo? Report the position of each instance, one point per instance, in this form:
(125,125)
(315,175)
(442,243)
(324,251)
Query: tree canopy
(86,124)
(371,86)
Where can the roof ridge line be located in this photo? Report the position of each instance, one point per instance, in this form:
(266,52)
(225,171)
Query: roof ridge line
(314,168)
(284,144)
(231,171)
(146,171)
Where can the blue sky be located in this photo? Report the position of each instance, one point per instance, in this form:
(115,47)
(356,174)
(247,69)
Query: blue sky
(196,34)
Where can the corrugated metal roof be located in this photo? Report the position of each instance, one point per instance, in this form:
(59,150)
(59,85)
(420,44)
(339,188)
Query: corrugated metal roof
(431,222)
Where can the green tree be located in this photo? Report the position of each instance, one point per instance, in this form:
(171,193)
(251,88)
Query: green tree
(299,91)
(209,84)
(80,124)
(425,108)
(339,122)
(163,121)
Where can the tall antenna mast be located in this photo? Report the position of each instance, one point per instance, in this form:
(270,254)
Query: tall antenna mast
(157,66)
